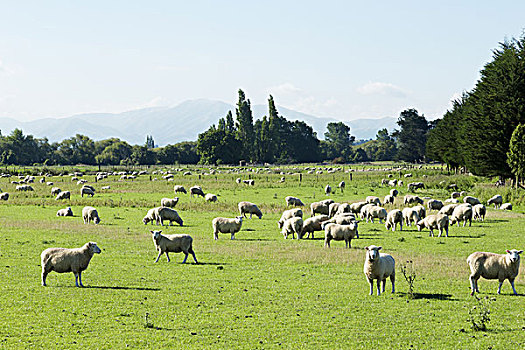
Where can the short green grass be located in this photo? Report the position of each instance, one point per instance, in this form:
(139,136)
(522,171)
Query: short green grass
(256,292)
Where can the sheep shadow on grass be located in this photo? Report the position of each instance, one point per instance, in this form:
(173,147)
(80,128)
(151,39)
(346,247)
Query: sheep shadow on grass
(429,296)
(124,288)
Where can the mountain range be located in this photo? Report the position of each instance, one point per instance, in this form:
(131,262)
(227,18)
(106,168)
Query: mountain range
(169,125)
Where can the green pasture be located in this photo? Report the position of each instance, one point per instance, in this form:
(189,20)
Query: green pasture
(259,291)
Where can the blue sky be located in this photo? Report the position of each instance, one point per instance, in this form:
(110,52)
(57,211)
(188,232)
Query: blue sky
(341,59)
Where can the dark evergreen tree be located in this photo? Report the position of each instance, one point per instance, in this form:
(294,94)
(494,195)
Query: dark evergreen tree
(516,153)
(412,136)
(339,138)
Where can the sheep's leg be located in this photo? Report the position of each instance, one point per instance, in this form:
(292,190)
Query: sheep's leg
(232,235)
(167,256)
(44,275)
(470,223)
(327,243)
(473,285)
(378,286)
(185,257)
(393,281)
(512,284)
(193,254)
(158,256)
(371,282)
(80,278)
(384,285)
(76,279)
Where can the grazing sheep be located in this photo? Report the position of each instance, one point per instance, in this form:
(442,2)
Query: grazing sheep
(55,191)
(376,213)
(389,199)
(494,266)
(288,214)
(196,190)
(410,216)
(165,213)
(497,200)
(373,200)
(342,186)
(226,225)
(65,212)
(394,217)
(173,244)
(434,204)
(471,200)
(89,186)
(343,208)
(73,260)
(90,214)
(313,224)
(105,187)
(452,201)
(379,266)
(4,196)
(238,180)
(249,208)
(356,207)
(332,209)
(169,202)
(454,195)
(293,201)
(343,219)
(363,214)
(49,183)
(327,190)
(392,183)
(463,193)
(394,192)
(210,197)
(86,191)
(151,216)
(479,211)
(63,195)
(420,210)
(415,185)
(506,206)
(434,222)
(179,188)
(293,226)
(448,209)
(461,212)
(410,199)
(319,208)
(327,201)
(453,187)
(339,233)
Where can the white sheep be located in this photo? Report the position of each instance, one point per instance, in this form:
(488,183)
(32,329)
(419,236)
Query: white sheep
(210,197)
(421,211)
(73,260)
(55,191)
(434,222)
(343,208)
(196,190)
(462,213)
(320,208)
(395,216)
(452,201)
(506,206)
(86,191)
(410,216)
(394,192)
(478,212)
(226,225)
(332,209)
(249,208)
(448,209)
(179,188)
(342,186)
(105,187)
(434,204)
(494,266)
(293,226)
(313,224)
(238,180)
(287,214)
(293,201)
(455,195)
(497,200)
(4,196)
(375,212)
(173,244)
(356,207)
(339,233)
(151,216)
(90,214)
(379,266)
(165,213)
(373,200)
(363,214)
(411,199)
(328,190)
(344,219)
(471,200)
(63,195)
(389,199)
(169,202)
(65,212)
(415,185)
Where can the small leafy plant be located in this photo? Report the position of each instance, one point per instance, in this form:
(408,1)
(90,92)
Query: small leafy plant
(409,273)
(479,314)
(147,323)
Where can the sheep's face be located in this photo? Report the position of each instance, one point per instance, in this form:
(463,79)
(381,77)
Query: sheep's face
(420,225)
(146,220)
(239,219)
(514,255)
(372,253)
(93,247)
(96,220)
(156,235)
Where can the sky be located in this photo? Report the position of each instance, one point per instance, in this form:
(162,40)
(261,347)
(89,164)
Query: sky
(341,59)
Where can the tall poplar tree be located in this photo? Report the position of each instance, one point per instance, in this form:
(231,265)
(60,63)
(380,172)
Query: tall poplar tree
(245,132)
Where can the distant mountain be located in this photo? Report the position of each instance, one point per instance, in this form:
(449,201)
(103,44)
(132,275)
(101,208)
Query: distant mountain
(171,124)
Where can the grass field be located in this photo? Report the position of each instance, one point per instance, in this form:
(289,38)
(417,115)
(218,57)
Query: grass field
(256,292)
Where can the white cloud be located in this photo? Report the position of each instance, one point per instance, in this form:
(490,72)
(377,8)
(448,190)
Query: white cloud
(379,88)
(286,88)
(291,96)
(4,69)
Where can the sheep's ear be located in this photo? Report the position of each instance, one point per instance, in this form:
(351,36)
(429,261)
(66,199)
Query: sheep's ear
(508,251)
(379,248)
(520,251)
(367,248)
(152,232)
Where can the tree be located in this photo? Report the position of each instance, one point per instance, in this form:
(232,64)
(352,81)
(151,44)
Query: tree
(339,138)
(115,154)
(412,136)
(216,146)
(150,144)
(77,150)
(245,133)
(516,153)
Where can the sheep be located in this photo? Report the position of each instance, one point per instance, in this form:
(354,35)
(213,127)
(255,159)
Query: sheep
(105,187)
(90,214)
(394,192)
(63,195)
(410,216)
(344,219)
(471,200)
(343,208)
(478,212)
(327,190)
(210,197)
(454,195)
(452,201)
(410,199)
(376,212)
(249,182)
(389,199)
(342,186)
(332,209)
(151,216)
(384,182)
(448,209)
(293,201)
(434,222)
(506,206)
(462,193)
(49,183)
(293,226)
(179,188)
(356,207)
(238,180)
(169,202)
(420,210)
(313,224)
(196,190)
(363,214)
(165,213)
(73,260)
(327,201)
(415,185)
(434,204)
(394,217)
(497,200)
(4,196)
(65,212)
(461,212)
(287,214)
(86,191)
(373,200)
(226,225)
(494,266)
(55,191)
(379,266)
(249,208)
(392,183)
(173,244)
(319,208)
(340,232)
